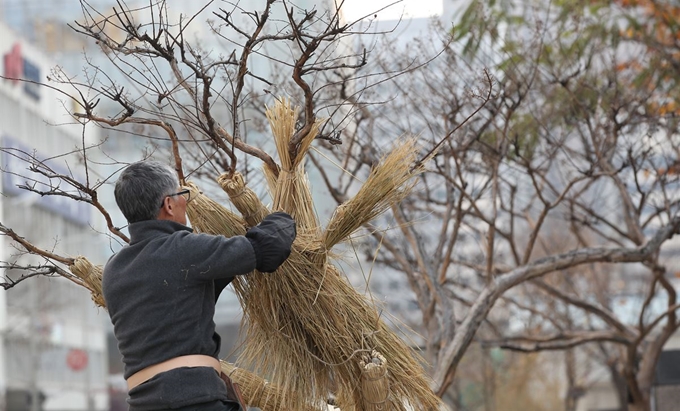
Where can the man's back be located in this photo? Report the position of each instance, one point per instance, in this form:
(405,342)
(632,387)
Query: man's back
(161,291)
(160,294)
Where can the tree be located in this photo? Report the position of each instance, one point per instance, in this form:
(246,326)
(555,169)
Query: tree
(195,91)
(562,188)
(550,145)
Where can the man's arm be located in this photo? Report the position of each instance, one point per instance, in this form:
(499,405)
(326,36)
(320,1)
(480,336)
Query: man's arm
(264,247)
(213,257)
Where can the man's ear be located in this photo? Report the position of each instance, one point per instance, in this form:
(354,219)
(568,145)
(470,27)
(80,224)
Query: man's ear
(166,210)
(168,205)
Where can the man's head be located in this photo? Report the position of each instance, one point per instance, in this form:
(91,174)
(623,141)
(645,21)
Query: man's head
(147,190)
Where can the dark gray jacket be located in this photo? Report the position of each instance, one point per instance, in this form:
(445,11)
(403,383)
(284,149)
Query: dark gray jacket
(160,291)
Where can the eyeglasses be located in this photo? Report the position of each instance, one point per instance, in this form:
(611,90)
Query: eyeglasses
(184,193)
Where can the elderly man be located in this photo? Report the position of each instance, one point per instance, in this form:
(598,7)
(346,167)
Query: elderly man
(161,290)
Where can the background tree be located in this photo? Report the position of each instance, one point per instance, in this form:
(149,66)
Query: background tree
(561,185)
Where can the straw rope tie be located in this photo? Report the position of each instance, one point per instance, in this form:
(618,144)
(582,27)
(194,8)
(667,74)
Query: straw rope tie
(240,193)
(289,174)
(253,214)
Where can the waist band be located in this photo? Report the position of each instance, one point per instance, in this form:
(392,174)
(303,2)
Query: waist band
(177,362)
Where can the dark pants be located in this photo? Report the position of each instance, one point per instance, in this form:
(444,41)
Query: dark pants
(210,406)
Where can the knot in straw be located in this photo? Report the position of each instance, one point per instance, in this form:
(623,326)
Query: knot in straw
(245,199)
(91,276)
(192,186)
(285,174)
(232,184)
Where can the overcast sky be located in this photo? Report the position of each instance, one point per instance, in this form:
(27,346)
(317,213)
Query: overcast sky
(355,9)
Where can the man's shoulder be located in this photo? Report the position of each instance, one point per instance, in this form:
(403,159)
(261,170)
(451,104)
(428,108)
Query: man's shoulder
(112,265)
(190,237)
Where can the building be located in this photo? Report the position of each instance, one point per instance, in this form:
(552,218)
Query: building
(52,338)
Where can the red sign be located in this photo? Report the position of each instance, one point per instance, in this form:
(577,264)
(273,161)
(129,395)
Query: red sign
(76,359)
(18,68)
(14,64)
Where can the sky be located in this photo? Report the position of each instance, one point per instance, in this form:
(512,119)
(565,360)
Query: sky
(355,9)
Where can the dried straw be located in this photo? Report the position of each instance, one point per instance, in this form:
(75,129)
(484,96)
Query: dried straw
(91,276)
(306,326)
(245,199)
(290,191)
(375,386)
(257,392)
(387,184)
(208,216)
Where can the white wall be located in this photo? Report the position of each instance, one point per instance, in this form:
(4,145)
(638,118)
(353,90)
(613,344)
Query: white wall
(46,319)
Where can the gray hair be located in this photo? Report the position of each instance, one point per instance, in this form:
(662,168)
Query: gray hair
(142,188)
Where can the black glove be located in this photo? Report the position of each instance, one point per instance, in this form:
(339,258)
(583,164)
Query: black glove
(272,239)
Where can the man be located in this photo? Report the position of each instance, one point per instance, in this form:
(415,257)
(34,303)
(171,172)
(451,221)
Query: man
(161,290)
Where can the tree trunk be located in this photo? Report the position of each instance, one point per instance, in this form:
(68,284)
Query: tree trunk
(640,406)
(571,399)
(619,383)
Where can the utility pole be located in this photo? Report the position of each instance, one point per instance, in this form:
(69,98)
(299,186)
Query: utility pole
(88,366)
(34,352)
(3,305)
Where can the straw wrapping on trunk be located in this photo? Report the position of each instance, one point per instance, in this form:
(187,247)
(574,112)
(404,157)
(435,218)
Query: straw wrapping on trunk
(305,324)
(375,386)
(91,276)
(244,199)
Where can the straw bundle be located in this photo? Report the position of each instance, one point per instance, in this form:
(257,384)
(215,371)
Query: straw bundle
(91,276)
(245,200)
(306,326)
(386,185)
(257,391)
(290,191)
(210,217)
(374,382)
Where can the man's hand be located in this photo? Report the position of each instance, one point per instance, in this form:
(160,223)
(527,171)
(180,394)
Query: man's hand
(272,240)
